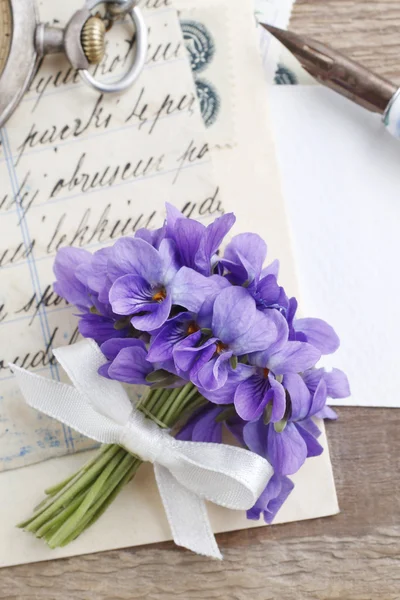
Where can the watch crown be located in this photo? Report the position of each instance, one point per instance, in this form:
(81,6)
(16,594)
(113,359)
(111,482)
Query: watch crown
(93,39)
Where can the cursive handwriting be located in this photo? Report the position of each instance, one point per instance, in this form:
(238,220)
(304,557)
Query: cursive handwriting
(169,105)
(99,118)
(43,357)
(13,255)
(163,51)
(44,81)
(22,201)
(192,154)
(47,299)
(210,207)
(3,313)
(87,169)
(96,230)
(155,4)
(83,181)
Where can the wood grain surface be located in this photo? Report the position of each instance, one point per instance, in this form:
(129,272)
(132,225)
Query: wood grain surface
(353,556)
(366,30)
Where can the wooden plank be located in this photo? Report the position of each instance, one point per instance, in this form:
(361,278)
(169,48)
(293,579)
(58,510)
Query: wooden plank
(367,30)
(353,556)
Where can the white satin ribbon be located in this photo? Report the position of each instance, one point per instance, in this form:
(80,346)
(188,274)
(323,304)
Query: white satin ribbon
(186,472)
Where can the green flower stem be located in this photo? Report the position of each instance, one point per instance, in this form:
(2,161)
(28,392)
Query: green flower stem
(191,401)
(52,491)
(83,478)
(164,402)
(61,516)
(152,398)
(102,504)
(79,501)
(120,473)
(168,412)
(68,527)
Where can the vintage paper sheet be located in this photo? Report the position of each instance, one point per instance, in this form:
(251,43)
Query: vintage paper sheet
(273,12)
(207,36)
(280,66)
(86,169)
(140,149)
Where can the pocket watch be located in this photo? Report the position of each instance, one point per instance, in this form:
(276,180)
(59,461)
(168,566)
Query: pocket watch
(24,41)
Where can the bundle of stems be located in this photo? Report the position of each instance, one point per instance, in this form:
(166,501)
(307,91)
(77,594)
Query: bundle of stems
(73,505)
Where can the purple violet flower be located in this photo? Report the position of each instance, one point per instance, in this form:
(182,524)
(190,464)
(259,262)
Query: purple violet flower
(171,334)
(94,274)
(269,368)
(147,282)
(337,386)
(271,500)
(102,325)
(153,237)
(203,426)
(237,328)
(314,331)
(318,333)
(168,311)
(127,361)
(287,449)
(79,280)
(244,258)
(68,285)
(197,244)
(182,338)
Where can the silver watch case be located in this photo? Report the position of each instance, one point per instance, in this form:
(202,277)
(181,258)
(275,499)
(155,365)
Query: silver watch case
(21,62)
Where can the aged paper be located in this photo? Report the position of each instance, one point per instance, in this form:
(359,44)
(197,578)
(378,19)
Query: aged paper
(207,33)
(274,12)
(248,182)
(79,168)
(280,66)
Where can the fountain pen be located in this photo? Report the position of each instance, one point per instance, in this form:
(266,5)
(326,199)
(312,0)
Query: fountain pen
(343,75)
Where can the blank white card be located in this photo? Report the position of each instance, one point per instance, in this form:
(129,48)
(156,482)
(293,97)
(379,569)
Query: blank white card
(341,181)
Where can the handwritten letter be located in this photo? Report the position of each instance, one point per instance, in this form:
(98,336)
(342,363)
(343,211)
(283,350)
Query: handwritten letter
(78,168)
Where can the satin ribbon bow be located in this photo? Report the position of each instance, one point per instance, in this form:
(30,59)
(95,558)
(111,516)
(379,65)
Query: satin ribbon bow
(187,473)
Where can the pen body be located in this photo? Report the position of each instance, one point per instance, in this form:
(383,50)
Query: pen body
(345,76)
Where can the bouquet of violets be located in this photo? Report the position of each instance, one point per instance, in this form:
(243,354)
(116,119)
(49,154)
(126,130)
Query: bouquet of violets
(216,342)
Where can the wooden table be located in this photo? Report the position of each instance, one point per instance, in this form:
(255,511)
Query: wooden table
(353,556)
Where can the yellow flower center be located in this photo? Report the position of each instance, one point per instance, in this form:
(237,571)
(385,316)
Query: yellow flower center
(160,295)
(221,347)
(193,327)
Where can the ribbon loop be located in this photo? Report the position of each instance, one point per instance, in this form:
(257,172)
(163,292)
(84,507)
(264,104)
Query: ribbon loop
(186,472)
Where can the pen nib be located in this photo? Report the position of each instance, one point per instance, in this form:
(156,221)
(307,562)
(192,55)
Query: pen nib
(291,41)
(340,73)
(274,30)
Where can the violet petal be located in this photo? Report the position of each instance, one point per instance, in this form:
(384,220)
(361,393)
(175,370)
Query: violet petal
(319,334)
(134,256)
(131,366)
(299,395)
(287,450)
(294,357)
